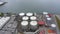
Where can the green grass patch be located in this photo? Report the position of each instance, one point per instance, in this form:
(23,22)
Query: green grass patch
(58,21)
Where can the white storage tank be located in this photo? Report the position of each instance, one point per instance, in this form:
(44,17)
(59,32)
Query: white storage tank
(21,14)
(53,25)
(25,18)
(33,25)
(45,13)
(49,21)
(47,16)
(33,18)
(29,14)
(24,25)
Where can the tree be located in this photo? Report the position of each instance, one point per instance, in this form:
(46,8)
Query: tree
(1,14)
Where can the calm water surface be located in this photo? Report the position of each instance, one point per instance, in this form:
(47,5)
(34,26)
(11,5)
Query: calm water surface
(17,6)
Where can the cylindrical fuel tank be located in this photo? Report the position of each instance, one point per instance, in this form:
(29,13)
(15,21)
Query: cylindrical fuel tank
(53,25)
(25,18)
(29,14)
(24,25)
(49,21)
(45,13)
(21,14)
(33,18)
(33,25)
(47,16)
